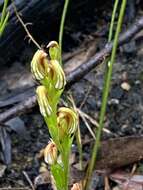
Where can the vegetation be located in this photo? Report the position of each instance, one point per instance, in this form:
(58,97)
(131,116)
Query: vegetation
(62,123)
(4,17)
(106,89)
(62,26)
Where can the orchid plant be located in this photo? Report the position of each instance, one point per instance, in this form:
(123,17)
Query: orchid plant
(62,123)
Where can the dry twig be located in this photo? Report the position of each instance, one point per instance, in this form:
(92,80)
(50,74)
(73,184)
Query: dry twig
(25,27)
(87,125)
(29,180)
(86,97)
(93,121)
(18,109)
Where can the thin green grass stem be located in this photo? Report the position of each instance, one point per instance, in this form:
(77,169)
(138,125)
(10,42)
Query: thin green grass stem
(4,12)
(113,20)
(79,145)
(62,26)
(3,25)
(4,17)
(105,96)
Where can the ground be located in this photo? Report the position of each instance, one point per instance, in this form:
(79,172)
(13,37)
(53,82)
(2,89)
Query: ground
(125,105)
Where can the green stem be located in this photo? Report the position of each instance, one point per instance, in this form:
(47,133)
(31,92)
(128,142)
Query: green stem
(62,27)
(65,154)
(3,25)
(63,148)
(112,20)
(3,15)
(105,96)
(79,145)
(66,169)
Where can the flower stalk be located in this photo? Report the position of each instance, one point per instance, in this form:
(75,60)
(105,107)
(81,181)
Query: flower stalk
(62,123)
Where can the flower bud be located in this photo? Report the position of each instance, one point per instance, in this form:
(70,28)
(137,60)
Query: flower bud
(50,153)
(43,101)
(76,186)
(54,50)
(57,74)
(67,121)
(39,65)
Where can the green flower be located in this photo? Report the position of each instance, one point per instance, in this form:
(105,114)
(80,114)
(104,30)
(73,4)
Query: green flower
(57,75)
(47,71)
(67,121)
(39,65)
(43,101)
(50,153)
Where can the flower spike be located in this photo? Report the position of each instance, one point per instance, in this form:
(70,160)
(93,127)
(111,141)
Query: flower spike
(62,123)
(43,101)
